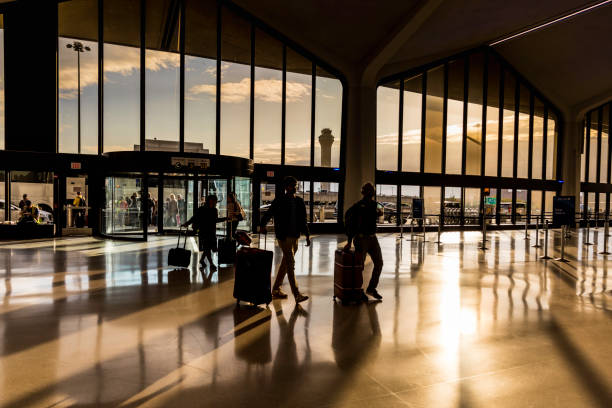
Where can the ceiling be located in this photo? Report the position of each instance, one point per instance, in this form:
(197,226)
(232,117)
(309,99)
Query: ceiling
(569,61)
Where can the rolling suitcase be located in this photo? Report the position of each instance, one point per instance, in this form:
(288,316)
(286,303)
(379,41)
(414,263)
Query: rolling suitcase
(180,257)
(348,276)
(227,251)
(252,276)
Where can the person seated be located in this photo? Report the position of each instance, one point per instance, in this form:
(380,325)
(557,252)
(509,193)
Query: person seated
(29,214)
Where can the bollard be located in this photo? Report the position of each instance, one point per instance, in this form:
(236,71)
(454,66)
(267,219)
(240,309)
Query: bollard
(545,256)
(562,257)
(484,233)
(588,232)
(526,230)
(537,234)
(606,235)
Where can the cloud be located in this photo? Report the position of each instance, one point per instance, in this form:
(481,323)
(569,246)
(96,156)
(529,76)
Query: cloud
(266,90)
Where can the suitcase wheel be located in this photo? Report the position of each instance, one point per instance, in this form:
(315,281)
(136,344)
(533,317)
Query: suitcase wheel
(334,298)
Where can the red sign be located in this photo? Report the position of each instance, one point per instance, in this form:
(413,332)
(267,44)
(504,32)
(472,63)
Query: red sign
(269,174)
(75,166)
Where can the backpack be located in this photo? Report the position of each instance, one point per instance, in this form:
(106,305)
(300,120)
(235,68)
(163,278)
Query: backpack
(352,220)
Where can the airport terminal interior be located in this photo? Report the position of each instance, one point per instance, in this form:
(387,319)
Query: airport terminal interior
(483,127)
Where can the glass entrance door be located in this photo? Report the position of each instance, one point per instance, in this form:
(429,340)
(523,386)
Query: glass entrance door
(122,215)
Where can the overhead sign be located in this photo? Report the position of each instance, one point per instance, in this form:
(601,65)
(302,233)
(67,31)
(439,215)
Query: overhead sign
(75,166)
(417,208)
(190,163)
(490,200)
(564,211)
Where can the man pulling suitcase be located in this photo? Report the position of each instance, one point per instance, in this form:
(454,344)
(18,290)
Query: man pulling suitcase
(360,222)
(289,212)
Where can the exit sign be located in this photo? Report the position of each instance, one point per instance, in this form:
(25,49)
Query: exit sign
(75,166)
(269,174)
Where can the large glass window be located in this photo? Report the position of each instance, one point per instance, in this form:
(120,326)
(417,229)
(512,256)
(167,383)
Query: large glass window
(508,125)
(328,120)
(492,134)
(1,82)
(605,148)
(244,193)
(325,201)
(386,196)
(538,139)
(39,189)
(536,205)
(471,206)
(431,197)
(593,147)
(551,146)
(162,77)
(408,194)
(521,206)
(77,76)
(454,117)
(268,98)
(121,75)
(235,84)
(411,129)
(200,75)
(473,144)
(387,120)
(433,120)
(522,156)
(298,109)
(452,205)
(123,211)
(3,202)
(505,206)
(583,155)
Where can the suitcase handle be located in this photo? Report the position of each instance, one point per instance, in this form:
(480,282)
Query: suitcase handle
(178,243)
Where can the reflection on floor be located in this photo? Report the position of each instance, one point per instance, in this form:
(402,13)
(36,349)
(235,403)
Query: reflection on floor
(87,322)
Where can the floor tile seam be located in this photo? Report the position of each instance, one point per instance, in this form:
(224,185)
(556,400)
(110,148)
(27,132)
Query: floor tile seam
(471,377)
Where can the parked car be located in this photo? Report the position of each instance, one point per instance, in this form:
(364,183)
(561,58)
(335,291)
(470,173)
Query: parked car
(15,211)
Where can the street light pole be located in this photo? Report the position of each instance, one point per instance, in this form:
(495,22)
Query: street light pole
(78,47)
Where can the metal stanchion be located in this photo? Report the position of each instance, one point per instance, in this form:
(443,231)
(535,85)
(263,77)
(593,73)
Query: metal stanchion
(484,233)
(537,234)
(596,220)
(588,231)
(401,228)
(424,240)
(606,235)
(562,257)
(545,256)
(439,229)
(526,230)
(411,230)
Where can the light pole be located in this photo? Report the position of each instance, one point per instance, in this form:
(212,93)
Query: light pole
(79,48)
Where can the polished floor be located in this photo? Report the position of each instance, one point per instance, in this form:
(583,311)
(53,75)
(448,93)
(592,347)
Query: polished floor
(86,322)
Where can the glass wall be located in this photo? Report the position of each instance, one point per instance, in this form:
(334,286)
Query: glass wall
(536,205)
(299,110)
(244,193)
(121,75)
(471,209)
(408,194)
(492,124)
(596,160)
(411,129)
(200,76)
(268,98)
(434,120)
(431,196)
(1,83)
(78,77)
(454,116)
(3,202)
(252,96)
(473,132)
(387,111)
(122,213)
(325,201)
(475,107)
(452,205)
(328,119)
(386,197)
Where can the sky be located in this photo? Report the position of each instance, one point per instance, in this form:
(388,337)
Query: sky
(122,96)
